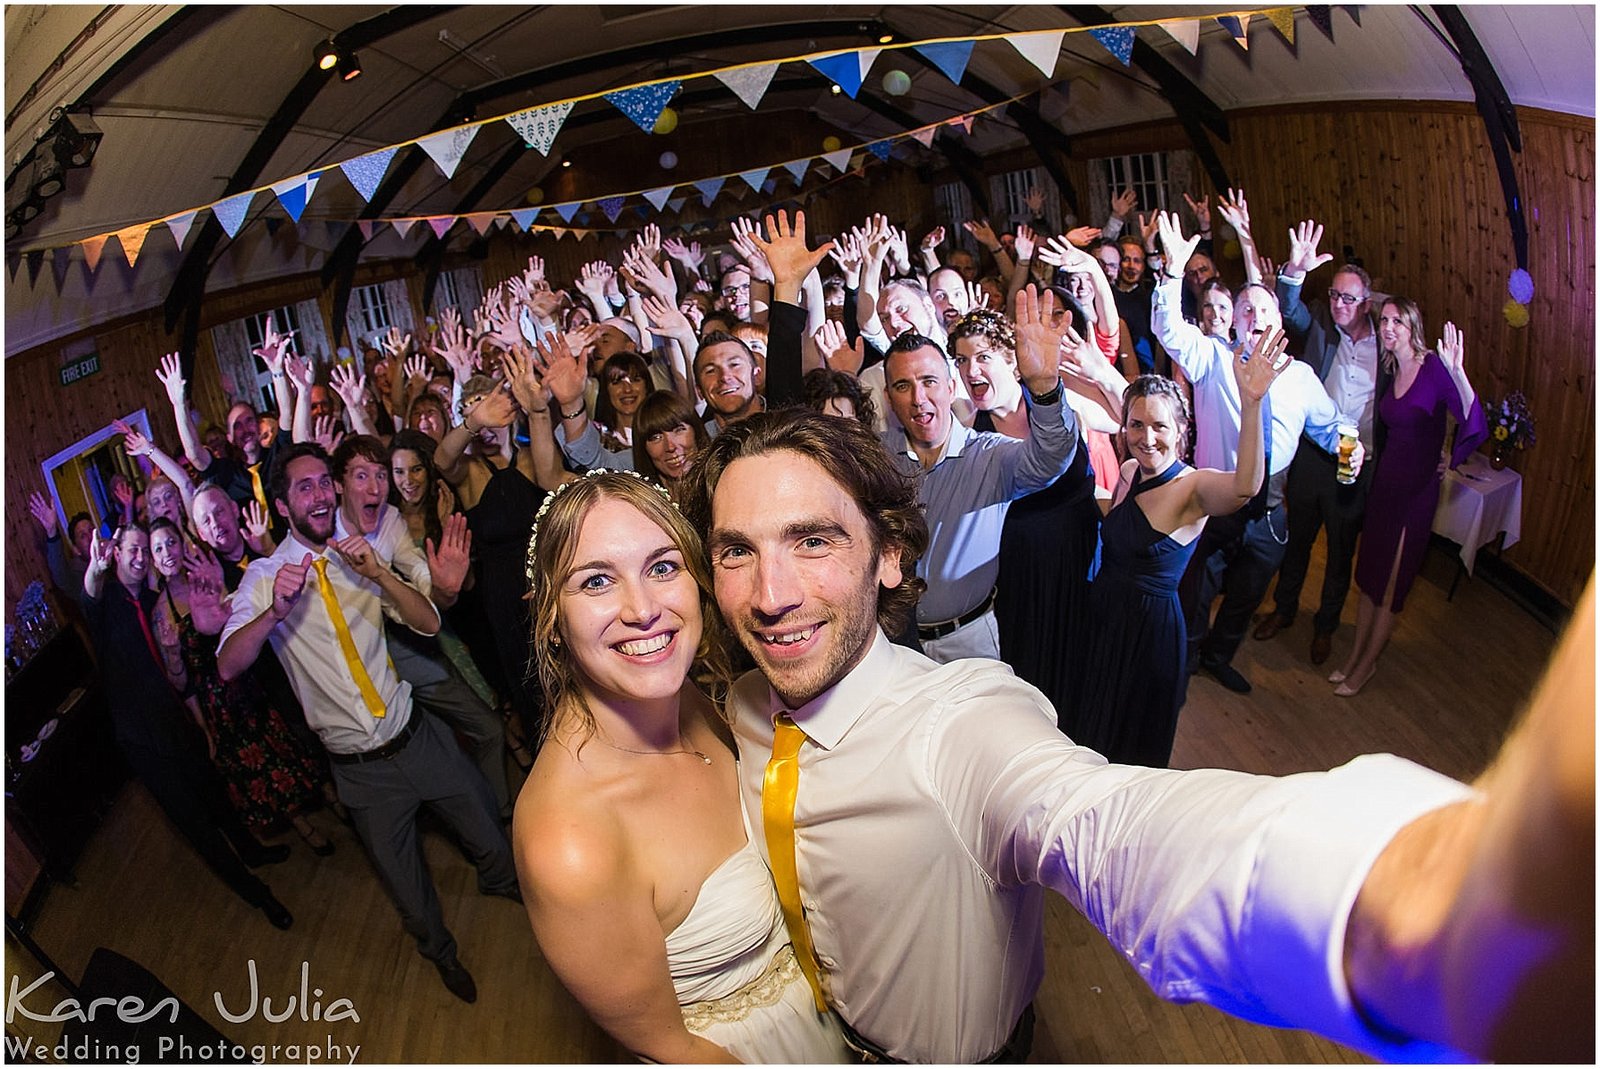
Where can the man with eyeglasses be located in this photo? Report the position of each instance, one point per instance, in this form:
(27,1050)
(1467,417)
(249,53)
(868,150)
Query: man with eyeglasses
(1340,342)
(734,291)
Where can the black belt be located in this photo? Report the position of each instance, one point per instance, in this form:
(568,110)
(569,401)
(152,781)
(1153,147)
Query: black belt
(1014,1050)
(384,752)
(947,627)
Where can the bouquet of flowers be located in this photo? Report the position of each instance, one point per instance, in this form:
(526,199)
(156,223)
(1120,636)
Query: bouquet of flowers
(1510,422)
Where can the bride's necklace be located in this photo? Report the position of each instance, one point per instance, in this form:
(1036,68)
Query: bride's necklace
(661,753)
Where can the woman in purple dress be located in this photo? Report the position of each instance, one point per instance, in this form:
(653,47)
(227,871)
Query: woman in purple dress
(1405,488)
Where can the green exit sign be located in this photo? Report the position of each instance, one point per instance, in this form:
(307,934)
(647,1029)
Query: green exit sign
(79,370)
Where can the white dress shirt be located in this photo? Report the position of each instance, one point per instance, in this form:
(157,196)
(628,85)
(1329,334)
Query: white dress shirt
(394,547)
(308,646)
(1353,382)
(935,801)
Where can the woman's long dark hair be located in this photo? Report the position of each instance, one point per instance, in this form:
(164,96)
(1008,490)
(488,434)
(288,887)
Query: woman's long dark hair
(423,446)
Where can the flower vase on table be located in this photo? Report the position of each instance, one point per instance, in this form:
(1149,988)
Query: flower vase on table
(1499,455)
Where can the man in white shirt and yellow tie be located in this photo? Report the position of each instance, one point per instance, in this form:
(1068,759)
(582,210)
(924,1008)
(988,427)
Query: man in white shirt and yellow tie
(913,813)
(320,602)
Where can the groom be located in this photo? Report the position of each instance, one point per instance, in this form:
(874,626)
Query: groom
(914,813)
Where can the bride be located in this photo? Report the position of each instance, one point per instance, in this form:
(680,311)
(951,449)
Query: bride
(646,893)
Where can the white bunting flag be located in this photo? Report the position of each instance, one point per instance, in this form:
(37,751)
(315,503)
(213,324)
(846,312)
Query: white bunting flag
(1040,49)
(179,225)
(840,160)
(1184,31)
(447,147)
(658,197)
(754,178)
(539,126)
(749,84)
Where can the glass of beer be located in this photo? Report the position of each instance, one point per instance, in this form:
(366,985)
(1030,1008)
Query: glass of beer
(1348,436)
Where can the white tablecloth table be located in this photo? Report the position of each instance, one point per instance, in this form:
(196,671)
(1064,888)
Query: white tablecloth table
(1477,503)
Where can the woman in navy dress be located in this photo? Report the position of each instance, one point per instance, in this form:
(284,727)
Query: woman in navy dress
(1405,487)
(1133,672)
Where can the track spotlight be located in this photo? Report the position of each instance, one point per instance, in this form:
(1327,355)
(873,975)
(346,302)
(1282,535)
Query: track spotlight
(327,55)
(349,67)
(49,175)
(77,140)
(886,38)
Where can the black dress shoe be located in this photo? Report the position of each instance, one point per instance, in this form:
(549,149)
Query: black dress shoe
(1321,646)
(276,913)
(1227,675)
(265,855)
(457,979)
(1269,626)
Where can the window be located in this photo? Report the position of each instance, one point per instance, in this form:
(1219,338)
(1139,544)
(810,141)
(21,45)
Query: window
(954,206)
(282,320)
(1145,174)
(446,294)
(373,311)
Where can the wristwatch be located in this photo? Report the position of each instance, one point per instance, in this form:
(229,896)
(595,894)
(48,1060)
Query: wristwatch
(1053,397)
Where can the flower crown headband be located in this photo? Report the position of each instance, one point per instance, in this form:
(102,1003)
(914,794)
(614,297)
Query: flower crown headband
(550,498)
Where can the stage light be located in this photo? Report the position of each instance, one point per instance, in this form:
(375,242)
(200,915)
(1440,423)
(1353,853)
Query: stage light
(49,175)
(885,38)
(349,67)
(327,55)
(77,139)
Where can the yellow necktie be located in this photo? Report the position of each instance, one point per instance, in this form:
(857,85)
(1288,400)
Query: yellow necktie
(778,791)
(255,485)
(358,671)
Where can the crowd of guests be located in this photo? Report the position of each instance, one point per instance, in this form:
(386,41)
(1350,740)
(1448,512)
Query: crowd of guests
(1112,448)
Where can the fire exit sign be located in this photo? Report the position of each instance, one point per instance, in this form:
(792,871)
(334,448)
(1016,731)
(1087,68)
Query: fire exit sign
(79,370)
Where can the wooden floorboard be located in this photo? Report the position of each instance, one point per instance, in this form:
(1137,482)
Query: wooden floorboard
(1444,695)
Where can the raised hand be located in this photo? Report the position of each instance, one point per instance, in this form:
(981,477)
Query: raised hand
(666,318)
(134,443)
(101,553)
(899,247)
(288,585)
(1303,256)
(594,276)
(848,253)
(837,352)
(300,371)
(787,253)
(562,372)
(649,242)
(418,372)
(123,492)
(447,565)
(274,347)
(451,345)
(692,312)
(1026,242)
(523,378)
(1033,200)
(1082,235)
(533,278)
(977,296)
(747,239)
(932,240)
(980,229)
(447,500)
(357,552)
(495,409)
(1257,372)
(647,274)
(1174,245)
(203,567)
(44,513)
(1123,203)
(1063,252)
(1038,338)
(1452,350)
(327,433)
(688,255)
(349,382)
(1268,270)
(1148,228)
(171,375)
(1202,211)
(1235,211)
(256,524)
(396,345)
(504,329)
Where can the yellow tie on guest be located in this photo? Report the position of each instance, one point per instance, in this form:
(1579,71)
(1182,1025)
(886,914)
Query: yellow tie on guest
(257,488)
(778,792)
(358,671)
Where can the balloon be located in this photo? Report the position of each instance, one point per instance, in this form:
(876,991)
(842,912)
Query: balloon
(669,160)
(1516,314)
(666,122)
(1231,250)
(1521,286)
(535,195)
(831,144)
(896,83)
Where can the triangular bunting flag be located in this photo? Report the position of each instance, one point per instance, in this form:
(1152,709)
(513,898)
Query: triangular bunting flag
(559,232)
(1354,11)
(798,168)
(881,149)
(539,126)
(231,212)
(446,147)
(567,211)
(1321,16)
(843,69)
(658,197)
(179,225)
(92,248)
(643,105)
(481,222)
(676,204)
(749,84)
(60,264)
(867,56)
(612,206)
(292,195)
(1118,41)
(402,226)
(840,160)
(132,241)
(641,211)
(963,121)
(1283,19)
(709,189)
(582,235)
(769,186)
(35,260)
(524,217)
(365,172)
(13,261)
(366,228)
(441,224)
(1040,49)
(925,136)
(500,221)
(754,178)
(1184,31)
(1238,27)
(949,56)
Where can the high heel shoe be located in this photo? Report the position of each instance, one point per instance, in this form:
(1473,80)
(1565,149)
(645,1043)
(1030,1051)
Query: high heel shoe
(1336,676)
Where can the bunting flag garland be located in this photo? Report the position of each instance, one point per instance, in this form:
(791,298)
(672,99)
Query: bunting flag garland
(402,226)
(567,211)
(366,229)
(559,232)
(179,225)
(1321,16)
(881,149)
(798,169)
(92,248)
(60,264)
(1040,49)
(1184,31)
(446,147)
(1118,41)
(658,197)
(35,260)
(524,217)
(755,178)
(481,221)
(1354,11)
(132,241)
(1283,19)
(709,189)
(231,212)
(365,172)
(867,57)
(643,104)
(676,204)
(295,194)
(539,126)
(843,69)
(13,261)
(1238,27)
(840,161)
(925,135)
(949,56)
(612,206)
(441,224)
(749,84)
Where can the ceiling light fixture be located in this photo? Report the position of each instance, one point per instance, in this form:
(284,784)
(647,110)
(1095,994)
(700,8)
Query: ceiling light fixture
(835,90)
(349,67)
(566,163)
(884,39)
(327,55)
